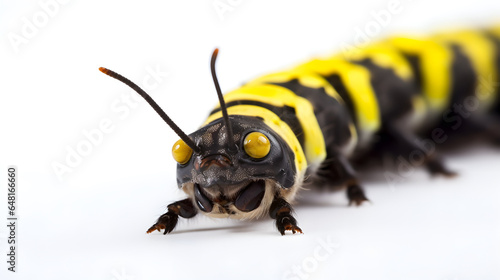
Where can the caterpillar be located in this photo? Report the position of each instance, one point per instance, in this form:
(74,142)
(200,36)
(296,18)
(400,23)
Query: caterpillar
(307,125)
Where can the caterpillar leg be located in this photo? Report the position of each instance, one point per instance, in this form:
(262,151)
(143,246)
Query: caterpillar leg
(339,172)
(355,194)
(168,221)
(403,143)
(281,211)
(435,166)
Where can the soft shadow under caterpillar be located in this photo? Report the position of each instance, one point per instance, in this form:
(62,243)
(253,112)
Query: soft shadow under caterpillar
(255,150)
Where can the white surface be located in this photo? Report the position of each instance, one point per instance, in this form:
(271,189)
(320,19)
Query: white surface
(91,223)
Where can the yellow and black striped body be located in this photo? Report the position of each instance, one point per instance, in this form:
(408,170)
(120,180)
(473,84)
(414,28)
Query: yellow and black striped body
(315,118)
(336,105)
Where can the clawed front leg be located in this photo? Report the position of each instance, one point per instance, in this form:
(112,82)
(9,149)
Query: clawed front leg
(168,221)
(281,210)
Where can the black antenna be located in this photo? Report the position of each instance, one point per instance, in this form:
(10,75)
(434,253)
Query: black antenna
(155,106)
(221,102)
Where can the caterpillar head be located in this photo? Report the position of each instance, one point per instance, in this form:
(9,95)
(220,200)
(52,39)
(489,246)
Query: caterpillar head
(238,182)
(233,166)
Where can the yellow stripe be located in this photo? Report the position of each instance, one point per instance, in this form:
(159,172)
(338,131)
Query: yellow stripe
(275,123)
(435,63)
(304,77)
(385,56)
(357,81)
(314,143)
(481,51)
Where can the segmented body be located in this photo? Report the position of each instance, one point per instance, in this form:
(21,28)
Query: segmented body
(332,107)
(313,119)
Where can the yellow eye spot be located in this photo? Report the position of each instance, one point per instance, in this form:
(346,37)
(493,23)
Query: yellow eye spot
(181,152)
(256,145)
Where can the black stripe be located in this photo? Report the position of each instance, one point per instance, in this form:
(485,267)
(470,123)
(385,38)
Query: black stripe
(463,76)
(415,64)
(496,43)
(333,117)
(285,113)
(394,94)
(339,86)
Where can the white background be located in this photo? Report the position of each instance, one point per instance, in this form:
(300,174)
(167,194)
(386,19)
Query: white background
(90,222)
